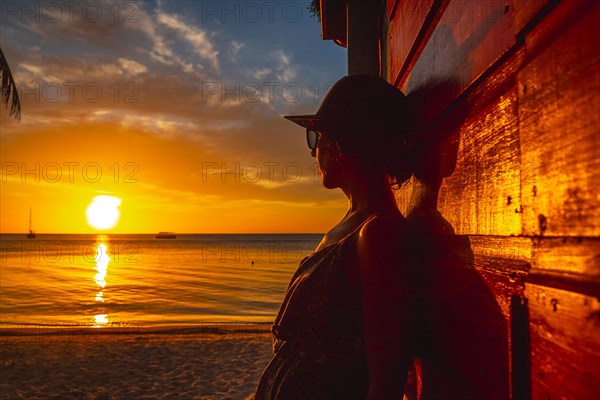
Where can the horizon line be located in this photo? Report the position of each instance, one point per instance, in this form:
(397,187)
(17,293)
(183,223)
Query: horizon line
(176,233)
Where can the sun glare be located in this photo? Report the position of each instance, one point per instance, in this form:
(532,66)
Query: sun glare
(103,212)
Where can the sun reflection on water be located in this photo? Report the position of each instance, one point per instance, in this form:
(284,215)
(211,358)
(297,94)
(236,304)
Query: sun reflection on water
(100,320)
(102,261)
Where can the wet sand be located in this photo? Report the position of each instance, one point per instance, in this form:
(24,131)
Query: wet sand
(148,364)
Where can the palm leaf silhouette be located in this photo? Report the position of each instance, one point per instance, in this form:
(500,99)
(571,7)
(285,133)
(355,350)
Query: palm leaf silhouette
(8,88)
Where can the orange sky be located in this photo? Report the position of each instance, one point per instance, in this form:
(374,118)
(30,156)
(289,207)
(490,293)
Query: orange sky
(187,150)
(163,185)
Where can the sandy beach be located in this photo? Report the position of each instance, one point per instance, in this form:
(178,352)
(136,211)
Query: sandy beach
(182,364)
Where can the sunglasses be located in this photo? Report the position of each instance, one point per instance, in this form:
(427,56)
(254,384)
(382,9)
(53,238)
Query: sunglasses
(312,138)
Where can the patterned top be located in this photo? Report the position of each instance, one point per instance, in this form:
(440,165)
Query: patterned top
(317,336)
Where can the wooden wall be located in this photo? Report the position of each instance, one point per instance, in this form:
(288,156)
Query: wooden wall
(508,96)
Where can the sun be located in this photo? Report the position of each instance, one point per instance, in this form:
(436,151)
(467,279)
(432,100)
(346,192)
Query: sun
(103,212)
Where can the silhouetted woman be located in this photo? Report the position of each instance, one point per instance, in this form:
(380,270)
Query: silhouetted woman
(344,328)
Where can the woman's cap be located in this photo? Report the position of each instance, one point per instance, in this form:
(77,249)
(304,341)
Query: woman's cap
(358,103)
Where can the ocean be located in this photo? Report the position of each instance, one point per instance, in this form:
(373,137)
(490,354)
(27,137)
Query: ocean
(139,280)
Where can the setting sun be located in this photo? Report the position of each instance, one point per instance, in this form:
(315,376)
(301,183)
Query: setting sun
(103,212)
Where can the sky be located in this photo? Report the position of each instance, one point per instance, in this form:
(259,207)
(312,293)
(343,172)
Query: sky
(172,108)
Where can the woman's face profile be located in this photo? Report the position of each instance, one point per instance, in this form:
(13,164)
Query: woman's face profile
(329,158)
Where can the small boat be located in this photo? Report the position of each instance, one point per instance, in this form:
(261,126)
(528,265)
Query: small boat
(166,235)
(31,234)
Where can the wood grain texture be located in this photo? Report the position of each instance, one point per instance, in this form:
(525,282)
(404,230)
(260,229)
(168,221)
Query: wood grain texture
(482,195)
(497,162)
(524,11)
(468,38)
(457,199)
(502,286)
(559,127)
(565,345)
(390,8)
(519,141)
(567,255)
(403,28)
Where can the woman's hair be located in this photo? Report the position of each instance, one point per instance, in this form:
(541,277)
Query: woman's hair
(382,147)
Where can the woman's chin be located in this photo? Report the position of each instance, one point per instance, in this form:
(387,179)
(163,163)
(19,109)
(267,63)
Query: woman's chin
(329,183)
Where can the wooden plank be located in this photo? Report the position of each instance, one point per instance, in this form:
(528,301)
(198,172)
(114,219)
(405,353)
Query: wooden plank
(457,199)
(559,124)
(502,286)
(579,256)
(482,193)
(468,39)
(474,103)
(334,21)
(509,255)
(524,12)
(403,29)
(390,8)
(497,163)
(560,262)
(551,22)
(565,345)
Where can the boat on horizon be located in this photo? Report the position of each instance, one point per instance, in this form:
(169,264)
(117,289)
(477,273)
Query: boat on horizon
(166,235)
(31,234)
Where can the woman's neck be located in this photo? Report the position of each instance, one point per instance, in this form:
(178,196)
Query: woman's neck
(372,196)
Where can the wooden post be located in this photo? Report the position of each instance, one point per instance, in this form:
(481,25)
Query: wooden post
(363,37)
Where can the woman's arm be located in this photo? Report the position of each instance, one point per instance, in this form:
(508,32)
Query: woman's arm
(387,308)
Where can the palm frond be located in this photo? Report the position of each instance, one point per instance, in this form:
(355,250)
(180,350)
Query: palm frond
(315,9)
(8,88)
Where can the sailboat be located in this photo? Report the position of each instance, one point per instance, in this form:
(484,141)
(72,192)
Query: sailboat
(166,235)
(31,234)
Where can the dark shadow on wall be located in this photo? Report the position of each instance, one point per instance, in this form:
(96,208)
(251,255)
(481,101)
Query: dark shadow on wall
(460,335)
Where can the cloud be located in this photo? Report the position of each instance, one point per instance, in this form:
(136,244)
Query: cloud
(132,67)
(234,49)
(161,47)
(261,73)
(193,35)
(61,70)
(285,71)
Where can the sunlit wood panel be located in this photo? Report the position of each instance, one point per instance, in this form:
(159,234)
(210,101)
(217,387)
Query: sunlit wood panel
(404,26)
(525,10)
(467,39)
(482,195)
(559,126)
(565,346)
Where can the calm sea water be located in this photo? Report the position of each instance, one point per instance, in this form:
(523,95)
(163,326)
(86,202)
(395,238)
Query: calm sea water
(103,280)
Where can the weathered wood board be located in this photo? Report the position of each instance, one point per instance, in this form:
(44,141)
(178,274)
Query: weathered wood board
(482,195)
(404,26)
(559,127)
(467,39)
(524,11)
(565,345)
(515,101)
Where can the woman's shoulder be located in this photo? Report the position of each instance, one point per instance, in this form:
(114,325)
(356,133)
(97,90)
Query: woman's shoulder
(380,238)
(380,254)
(375,248)
(381,229)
